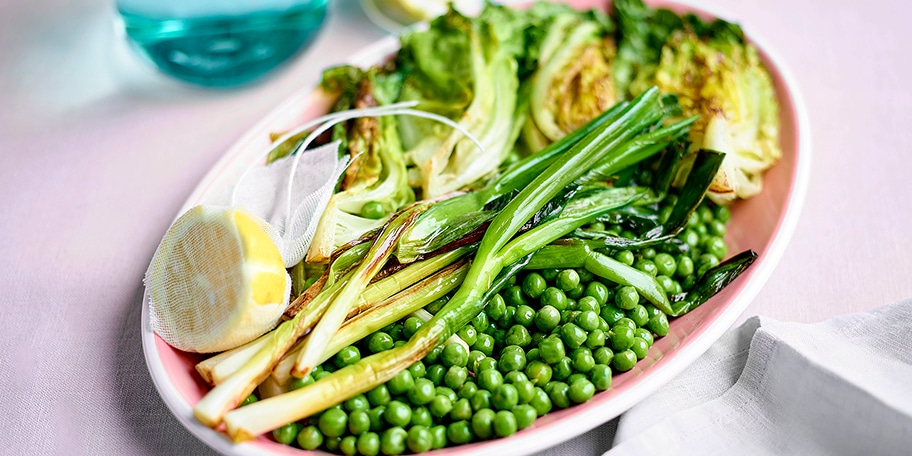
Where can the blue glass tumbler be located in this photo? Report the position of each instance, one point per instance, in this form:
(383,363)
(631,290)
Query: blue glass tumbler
(220,43)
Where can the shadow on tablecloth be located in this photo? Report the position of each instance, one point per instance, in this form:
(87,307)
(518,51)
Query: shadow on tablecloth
(146,416)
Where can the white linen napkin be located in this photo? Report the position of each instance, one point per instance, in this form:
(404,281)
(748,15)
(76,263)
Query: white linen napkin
(839,387)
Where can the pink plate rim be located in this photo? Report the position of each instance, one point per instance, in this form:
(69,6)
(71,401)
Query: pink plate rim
(565,424)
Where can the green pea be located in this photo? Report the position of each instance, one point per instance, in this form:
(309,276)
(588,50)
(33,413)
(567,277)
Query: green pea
(349,445)
(611,314)
(554,297)
(626,322)
(541,402)
(448,392)
(467,390)
(435,373)
(481,322)
(533,354)
(455,377)
(496,307)
(481,400)
(419,439)
(468,334)
(524,391)
(626,298)
(513,296)
(600,376)
(717,228)
(722,213)
(489,379)
(373,210)
(667,283)
(462,410)
(551,350)
(392,441)
(421,416)
(505,397)
(525,315)
(504,423)
(398,414)
(484,344)
(640,347)
(499,336)
(639,315)
(376,418)
(410,327)
(251,398)
(538,372)
(665,264)
(575,293)
(598,291)
(688,282)
(525,415)
(716,247)
(454,355)
(379,395)
(286,434)
(534,285)
(582,359)
(581,391)
(515,376)
(547,318)
(573,335)
(459,432)
(685,267)
(508,318)
(658,324)
(567,279)
(518,335)
(433,356)
(402,383)
(621,337)
(644,334)
(440,406)
(357,402)
(483,423)
(559,395)
(624,256)
(333,422)
(487,364)
(646,266)
(595,339)
(297,383)
(475,357)
(624,360)
(588,304)
(346,356)
(587,320)
(562,369)
(512,358)
(706,262)
(422,392)
(439,434)
(310,438)
(690,237)
(550,274)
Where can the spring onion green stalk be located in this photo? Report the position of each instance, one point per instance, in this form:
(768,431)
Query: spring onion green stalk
(426,316)
(254,419)
(713,281)
(453,218)
(359,326)
(218,368)
(335,314)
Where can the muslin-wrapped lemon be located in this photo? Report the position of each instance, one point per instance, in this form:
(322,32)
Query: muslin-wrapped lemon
(216,281)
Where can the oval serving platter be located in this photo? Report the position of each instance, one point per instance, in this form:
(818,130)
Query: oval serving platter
(764,223)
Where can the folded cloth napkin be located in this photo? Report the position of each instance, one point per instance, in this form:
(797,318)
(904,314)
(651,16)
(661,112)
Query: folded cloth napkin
(839,387)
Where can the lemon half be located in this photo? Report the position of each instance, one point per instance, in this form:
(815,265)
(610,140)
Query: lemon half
(216,281)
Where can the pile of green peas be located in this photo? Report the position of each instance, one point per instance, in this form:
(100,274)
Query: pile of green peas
(550,339)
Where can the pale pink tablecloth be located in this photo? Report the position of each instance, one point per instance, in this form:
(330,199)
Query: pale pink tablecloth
(97,154)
